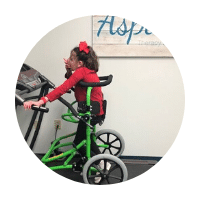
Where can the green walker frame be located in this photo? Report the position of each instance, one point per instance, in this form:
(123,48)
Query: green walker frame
(98,169)
(72,152)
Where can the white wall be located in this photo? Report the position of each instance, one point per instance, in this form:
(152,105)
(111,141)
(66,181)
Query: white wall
(145,99)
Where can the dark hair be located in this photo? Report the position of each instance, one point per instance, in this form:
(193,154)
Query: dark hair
(89,60)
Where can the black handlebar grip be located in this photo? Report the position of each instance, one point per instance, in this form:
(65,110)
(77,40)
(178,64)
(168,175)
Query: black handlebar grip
(108,80)
(42,109)
(21,101)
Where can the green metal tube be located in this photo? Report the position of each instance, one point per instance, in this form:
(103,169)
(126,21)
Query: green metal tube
(69,111)
(103,145)
(71,151)
(69,159)
(81,144)
(59,156)
(61,167)
(53,146)
(89,89)
(88,140)
(66,115)
(88,130)
(93,169)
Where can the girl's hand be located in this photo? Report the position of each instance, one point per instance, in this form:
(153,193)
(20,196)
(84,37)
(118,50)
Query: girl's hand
(69,71)
(66,63)
(28,104)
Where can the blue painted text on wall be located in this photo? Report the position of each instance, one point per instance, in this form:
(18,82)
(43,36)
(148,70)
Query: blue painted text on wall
(122,29)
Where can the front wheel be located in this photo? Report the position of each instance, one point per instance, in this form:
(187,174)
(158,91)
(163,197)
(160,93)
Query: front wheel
(93,173)
(114,141)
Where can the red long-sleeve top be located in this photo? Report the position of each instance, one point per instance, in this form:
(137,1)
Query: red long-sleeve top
(85,75)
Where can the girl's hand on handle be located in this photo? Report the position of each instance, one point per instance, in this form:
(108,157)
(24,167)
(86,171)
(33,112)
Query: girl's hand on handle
(28,104)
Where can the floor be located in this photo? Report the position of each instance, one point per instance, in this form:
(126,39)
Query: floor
(134,168)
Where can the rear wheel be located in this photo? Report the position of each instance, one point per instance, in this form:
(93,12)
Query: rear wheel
(111,138)
(116,173)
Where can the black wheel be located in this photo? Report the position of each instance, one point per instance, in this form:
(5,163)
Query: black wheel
(94,174)
(111,138)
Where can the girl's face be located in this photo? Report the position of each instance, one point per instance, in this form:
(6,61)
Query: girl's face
(73,63)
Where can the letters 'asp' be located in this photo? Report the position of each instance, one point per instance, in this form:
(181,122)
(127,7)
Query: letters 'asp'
(122,29)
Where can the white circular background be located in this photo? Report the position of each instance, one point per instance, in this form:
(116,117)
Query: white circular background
(24,45)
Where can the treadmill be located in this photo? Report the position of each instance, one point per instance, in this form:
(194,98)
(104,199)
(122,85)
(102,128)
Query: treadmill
(30,80)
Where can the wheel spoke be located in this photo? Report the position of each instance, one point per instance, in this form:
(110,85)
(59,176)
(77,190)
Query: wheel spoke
(104,150)
(97,167)
(115,177)
(108,181)
(110,151)
(108,137)
(101,181)
(94,176)
(101,140)
(117,139)
(114,168)
(115,147)
(105,164)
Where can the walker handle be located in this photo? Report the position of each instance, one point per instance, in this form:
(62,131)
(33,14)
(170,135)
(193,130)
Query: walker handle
(106,81)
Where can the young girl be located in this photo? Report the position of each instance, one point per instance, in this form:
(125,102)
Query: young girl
(83,61)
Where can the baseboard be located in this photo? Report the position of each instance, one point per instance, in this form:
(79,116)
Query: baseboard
(141,158)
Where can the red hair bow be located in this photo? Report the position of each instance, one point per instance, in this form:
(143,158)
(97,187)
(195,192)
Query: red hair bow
(84,47)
